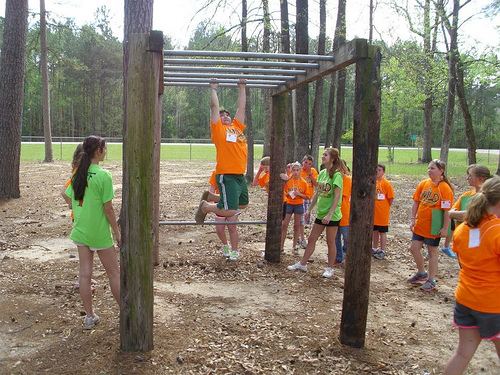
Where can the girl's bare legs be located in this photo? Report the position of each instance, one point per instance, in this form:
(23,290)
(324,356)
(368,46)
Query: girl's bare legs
(109,261)
(331,233)
(311,243)
(86,257)
(284,229)
(416,251)
(383,240)
(221,229)
(433,261)
(468,341)
(296,228)
(375,239)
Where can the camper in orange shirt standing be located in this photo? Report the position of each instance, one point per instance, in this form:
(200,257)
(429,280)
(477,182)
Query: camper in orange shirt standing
(432,193)
(345,208)
(477,306)
(383,201)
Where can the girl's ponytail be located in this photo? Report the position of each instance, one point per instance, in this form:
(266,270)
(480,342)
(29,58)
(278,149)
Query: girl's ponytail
(79,179)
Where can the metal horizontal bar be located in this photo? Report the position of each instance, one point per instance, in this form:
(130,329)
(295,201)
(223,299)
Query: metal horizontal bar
(225,80)
(248,55)
(282,64)
(212,223)
(233,70)
(209,76)
(199,84)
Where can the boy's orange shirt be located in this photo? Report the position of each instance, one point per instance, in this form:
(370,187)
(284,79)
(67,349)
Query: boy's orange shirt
(345,208)
(264,181)
(231,156)
(479,256)
(305,175)
(384,192)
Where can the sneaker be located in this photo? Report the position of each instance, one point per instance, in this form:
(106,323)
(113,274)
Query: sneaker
(374,251)
(328,273)
(199,216)
(429,285)
(418,278)
(303,244)
(226,250)
(379,254)
(297,266)
(89,322)
(295,251)
(234,255)
(448,252)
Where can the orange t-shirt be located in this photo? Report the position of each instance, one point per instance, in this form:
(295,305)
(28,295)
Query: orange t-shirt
(345,208)
(301,186)
(305,175)
(66,185)
(264,181)
(430,196)
(213,182)
(231,145)
(479,256)
(384,192)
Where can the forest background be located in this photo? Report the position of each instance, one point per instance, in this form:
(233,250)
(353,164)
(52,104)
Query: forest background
(85,71)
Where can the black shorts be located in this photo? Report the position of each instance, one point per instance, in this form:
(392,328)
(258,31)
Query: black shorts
(330,224)
(487,323)
(434,242)
(381,229)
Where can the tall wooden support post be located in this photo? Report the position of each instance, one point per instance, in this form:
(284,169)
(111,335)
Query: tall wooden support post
(141,94)
(275,199)
(156,47)
(364,165)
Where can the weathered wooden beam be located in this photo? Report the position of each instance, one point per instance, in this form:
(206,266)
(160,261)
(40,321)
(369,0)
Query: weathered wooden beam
(275,199)
(365,157)
(344,56)
(136,263)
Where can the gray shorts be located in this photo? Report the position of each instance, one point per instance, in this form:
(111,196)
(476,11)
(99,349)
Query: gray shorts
(487,323)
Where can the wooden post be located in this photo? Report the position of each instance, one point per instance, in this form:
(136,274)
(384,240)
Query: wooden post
(275,199)
(141,94)
(365,158)
(156,47)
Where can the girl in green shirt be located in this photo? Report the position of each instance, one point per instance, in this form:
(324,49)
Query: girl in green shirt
(328,198)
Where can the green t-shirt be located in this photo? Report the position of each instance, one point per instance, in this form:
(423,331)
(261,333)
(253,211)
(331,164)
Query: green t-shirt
(91,227)
(326,186)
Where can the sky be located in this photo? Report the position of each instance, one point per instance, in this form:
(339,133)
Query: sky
(179,22)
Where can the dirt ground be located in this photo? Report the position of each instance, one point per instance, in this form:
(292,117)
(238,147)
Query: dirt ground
(212,316)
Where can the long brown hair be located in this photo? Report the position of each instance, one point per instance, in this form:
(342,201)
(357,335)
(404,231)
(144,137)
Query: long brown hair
(336,162)
(441,165)
(488,196)
(79,179)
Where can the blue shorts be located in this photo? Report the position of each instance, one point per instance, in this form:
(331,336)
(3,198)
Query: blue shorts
(330,224)
(294,209)
(433,242)
(488,324)
(233,191)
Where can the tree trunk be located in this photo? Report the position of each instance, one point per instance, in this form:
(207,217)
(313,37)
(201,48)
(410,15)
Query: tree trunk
(450,103)
(285,47)
(331,109)
(248,108)
(47,132)
(266,46)
(338,40)
(429,56)
(469,129)
(302,93)
(318,95)
(12,72)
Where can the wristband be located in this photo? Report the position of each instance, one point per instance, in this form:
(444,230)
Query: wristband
(213,88)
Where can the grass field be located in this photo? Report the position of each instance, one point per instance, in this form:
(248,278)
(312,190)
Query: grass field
(405,159)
